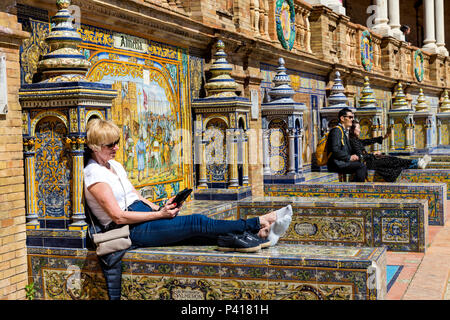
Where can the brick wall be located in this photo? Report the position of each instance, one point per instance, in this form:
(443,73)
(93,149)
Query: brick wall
(13,253)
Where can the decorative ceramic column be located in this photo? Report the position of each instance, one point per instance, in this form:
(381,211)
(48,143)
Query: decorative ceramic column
(369,113)
(402,113)
(443,119)
(77,151)
(440,27)
(63,90)
(300,147)
(335,102)
(30,183)
(222,104)
(266,165)
(291,155)
(245,151)
(381,21)
(394,19)
(282,117)
(424,116)
(232,142)
(202,180)
(430,35)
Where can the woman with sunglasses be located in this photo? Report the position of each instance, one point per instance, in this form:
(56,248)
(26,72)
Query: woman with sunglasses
(114,201)
(388,167)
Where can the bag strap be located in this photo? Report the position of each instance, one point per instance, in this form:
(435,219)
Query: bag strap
(342,131)
(88,210)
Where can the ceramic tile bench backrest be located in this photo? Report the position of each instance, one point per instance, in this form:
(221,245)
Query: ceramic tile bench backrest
(434,193)
(426,176)
(400,225)
(282,272)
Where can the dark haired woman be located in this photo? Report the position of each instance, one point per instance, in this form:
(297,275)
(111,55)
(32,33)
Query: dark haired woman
(388,167)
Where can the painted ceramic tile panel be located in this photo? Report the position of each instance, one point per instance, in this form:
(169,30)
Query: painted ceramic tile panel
(216,151)
(399,134)
(278,157)
(419,134)
(151,108)
(53,168)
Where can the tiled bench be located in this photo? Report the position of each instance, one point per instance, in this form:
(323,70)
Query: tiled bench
(399,225)
(434,193)
(418,176)
(285,271)
(426,176)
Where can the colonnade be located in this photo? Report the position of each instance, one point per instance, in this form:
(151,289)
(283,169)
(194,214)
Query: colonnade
(387,23)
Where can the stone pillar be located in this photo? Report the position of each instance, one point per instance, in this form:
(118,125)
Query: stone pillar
(381,21)
(30,183)
(202,174)
(245,181)
(409,131)
(440,28)
(233,181)
(439,132)
(430,35)
(300,149)
(429,133)
(266,166)
(78,216)
(394,20)
(291,139)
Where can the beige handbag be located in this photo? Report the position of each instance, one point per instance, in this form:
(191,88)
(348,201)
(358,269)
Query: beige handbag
(112,240)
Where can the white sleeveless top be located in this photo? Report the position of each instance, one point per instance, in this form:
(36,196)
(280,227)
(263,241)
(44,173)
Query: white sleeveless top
(119,183)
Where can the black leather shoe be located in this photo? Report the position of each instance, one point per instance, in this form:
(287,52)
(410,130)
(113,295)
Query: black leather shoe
(265,243)
(237,242)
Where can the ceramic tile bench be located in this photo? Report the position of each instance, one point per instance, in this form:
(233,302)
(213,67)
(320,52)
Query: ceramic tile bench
(285,272)
(418,176)
(434,193)
(399,225)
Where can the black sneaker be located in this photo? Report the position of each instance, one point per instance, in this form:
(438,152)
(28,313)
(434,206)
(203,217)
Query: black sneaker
(265,243)
(237,242)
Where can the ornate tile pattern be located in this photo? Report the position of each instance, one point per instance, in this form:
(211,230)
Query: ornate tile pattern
(400,225)
(426,176)
(434,193)
(282,272)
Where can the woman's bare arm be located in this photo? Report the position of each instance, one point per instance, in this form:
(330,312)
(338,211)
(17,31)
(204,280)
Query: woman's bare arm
(102,192)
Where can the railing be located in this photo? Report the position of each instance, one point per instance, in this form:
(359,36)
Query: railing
(302,26)
(330,37)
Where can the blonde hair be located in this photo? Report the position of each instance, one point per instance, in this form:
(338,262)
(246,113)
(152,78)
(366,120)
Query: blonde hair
(101,132)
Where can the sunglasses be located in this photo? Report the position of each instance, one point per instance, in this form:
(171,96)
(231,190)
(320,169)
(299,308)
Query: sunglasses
(112,145)
(350,117)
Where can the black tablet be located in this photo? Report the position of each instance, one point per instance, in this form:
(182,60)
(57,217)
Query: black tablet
(181,197)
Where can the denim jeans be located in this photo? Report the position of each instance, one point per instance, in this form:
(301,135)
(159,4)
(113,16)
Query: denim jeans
(413,164)
(170,231)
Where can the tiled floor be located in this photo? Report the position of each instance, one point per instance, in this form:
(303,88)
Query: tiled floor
(424,276)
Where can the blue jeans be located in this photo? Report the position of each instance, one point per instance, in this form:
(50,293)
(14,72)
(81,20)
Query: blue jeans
(170,231)
(413,164)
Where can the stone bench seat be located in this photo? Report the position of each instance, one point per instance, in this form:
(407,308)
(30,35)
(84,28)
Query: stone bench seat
(285,271)
(399,225)
(434,193)
(428,175)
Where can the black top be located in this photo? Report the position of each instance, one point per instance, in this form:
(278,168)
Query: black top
(358,147)
(339,147)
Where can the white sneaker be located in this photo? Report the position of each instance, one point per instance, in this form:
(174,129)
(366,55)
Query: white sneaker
(427,159)
(280,226)
(423,162)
